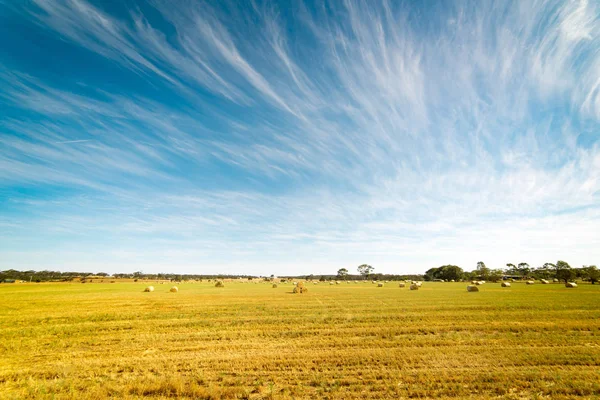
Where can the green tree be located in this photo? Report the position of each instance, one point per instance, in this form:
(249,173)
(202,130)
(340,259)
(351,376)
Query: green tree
(365,270)
(342,273)
(564,272)
(495,275)
(524,269)
(592,273)
(511,269)
(431,274)
(483,271)
(451,272)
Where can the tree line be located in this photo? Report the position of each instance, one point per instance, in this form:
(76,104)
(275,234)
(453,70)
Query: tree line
(58,276)
(560,270)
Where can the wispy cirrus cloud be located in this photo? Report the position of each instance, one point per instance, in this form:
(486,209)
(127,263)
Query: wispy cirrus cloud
(346,131)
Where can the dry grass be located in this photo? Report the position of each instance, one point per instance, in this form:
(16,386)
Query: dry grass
(248,341)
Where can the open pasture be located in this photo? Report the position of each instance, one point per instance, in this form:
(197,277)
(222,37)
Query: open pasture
(249,340)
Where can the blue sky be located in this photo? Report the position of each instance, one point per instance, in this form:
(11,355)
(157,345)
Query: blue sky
(298,137)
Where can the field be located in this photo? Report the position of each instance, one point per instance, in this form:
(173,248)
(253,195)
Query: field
(343,341)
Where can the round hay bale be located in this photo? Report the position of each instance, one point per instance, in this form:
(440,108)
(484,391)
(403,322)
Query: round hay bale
(505,284)
(414,286)
(219,284)
(545,282)
(174,289)
(380,284)
(571,285)
(473,282)
(555,280)
(149,289)
(300,288)
(274,286)
(331,283)
(419,284)
(530,282)
(452,280)
(472,288)
(478,283)
(402,284)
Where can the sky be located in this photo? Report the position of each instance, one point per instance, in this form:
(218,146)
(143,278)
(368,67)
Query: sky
(298,137)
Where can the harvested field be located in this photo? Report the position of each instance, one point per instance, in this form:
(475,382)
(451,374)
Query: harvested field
(250,341)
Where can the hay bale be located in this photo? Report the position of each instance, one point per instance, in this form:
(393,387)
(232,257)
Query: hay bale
(505,284)
(555,280)
(570,284)
(452,280)
(477,283)
(402,284)
(380,284)
(149,289)
(274,286)
(473,282)
(545,282)
(414,286)
(219,284)
(174,289)
(530,282)
(331,283)
(419,284)
(300,288)
(472,288)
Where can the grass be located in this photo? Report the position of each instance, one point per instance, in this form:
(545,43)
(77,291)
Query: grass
(343,341)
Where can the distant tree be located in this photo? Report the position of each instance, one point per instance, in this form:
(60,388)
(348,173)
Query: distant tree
(564,272)
(450,272)
(431,274)
(495,275)
(101,274)
(365,270)
(445,272)
(511,268)
(483,271)
(592,273)
(524,269)
(342,273)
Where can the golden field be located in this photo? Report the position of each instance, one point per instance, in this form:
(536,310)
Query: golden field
(249,340)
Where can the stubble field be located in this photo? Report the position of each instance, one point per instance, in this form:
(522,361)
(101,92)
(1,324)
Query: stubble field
(343,341)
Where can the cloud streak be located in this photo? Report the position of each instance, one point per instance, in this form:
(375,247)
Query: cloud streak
(303,135)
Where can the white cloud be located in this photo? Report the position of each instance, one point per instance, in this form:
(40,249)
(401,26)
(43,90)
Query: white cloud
(366,136)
